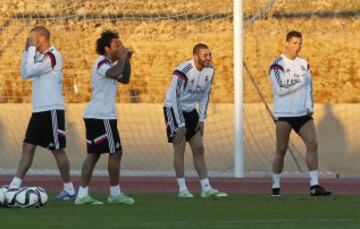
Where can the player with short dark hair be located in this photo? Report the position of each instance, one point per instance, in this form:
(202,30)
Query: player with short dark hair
(293,107)
(190,87)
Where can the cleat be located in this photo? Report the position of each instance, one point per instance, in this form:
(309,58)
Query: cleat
(64,196)
(87,200)
(275,192)
(121,199)
(185,194)
(213,193)
(317,190)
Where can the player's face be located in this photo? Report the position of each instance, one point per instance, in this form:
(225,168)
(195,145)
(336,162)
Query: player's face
(115,48)
(293,46)
(38,38)
(203,57)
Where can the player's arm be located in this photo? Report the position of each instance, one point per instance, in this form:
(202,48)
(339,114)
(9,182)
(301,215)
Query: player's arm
(121,71)
(32,67)
(310,110)
(203,106)
(308,72)
(23,59)
(204,101)
(283,84)
(125,77)
(177,86)
(23,65)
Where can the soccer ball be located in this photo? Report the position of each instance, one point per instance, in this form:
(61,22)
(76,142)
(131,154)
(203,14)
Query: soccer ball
(42,195)
(2,195)
(10,197)
(26,198)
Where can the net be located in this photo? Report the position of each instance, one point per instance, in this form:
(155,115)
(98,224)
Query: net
(162,34)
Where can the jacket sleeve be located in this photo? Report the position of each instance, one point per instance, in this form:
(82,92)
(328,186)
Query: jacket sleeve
(31,67)
(204,101)
(286,84)
(178,83)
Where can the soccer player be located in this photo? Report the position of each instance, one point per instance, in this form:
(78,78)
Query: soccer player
(42,63)
(190,86)
(102,135)
(293,107)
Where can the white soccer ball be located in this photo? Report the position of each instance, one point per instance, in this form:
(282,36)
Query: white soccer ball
(43,197)
(10,197)
(27,197)
(2,195)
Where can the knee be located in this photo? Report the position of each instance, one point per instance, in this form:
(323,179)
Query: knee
(28,148)
(116,156)
(179,149)
(119,154)
(199,150)
(181,144)
(58,153)
(91,158)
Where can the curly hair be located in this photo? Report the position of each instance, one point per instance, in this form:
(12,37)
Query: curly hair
(105,40)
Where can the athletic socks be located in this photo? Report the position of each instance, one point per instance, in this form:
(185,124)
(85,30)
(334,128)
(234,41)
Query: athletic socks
(115,190)
(276,180)
(181,184)
(205,185)
(314,177)
(15,182)
(69,188)
(83,191)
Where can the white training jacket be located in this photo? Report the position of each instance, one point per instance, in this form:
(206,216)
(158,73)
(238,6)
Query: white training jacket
(292,87)
(45,71)
(189,87)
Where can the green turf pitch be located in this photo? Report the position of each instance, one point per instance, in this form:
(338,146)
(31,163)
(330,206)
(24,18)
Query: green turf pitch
(166,211)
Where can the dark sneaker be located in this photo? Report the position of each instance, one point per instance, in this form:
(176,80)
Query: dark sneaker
(317,190)
(275,192)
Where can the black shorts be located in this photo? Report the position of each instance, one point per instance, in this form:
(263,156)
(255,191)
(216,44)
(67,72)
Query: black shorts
(102,136)
(296,122)
(47,129)
(191,122)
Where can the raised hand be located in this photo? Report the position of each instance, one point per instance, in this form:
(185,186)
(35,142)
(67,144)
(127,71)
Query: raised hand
(27,43)
(33,40)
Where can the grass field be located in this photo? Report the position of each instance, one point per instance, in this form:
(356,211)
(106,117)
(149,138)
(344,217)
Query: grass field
(164,210)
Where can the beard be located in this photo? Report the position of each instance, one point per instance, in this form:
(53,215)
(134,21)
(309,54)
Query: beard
(205,63)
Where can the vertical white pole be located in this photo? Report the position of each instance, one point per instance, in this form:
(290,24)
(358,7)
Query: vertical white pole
(239,168)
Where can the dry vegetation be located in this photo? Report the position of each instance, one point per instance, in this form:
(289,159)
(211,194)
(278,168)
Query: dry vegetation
(331,45)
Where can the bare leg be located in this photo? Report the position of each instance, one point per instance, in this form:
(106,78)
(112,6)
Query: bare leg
(197,147)
(26,160)
(63,164)
(114,167)
(88,168)
(308,135)
(179,153)
(283,130)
